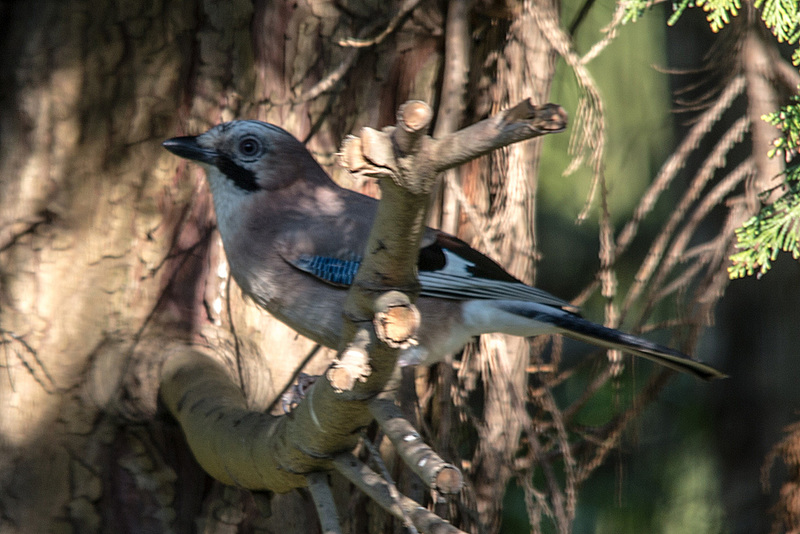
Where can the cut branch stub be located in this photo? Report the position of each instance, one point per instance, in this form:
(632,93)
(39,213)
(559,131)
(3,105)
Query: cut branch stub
(449,480)
(547,118)
(396,320)
(368,156)
(350,155)
(353,364)
(413,119)
(377,149)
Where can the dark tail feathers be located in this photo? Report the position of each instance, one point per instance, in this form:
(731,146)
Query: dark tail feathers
(574,326)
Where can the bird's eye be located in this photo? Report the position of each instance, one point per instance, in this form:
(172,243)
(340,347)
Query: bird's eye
(249,146)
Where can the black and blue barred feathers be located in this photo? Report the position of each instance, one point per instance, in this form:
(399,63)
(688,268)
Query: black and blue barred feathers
(333,270)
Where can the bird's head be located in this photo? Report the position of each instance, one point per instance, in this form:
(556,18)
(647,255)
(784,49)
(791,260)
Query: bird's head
(250,166)
(247,156)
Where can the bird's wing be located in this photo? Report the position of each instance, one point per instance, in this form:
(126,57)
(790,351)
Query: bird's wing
(448,267)
(328,248)
(335,271)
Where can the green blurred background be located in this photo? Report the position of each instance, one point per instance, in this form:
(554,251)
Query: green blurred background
(692,463)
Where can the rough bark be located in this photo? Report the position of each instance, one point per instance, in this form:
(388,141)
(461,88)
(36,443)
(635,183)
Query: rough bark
(89,216)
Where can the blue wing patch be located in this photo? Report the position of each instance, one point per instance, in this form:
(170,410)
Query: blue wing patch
(332,270)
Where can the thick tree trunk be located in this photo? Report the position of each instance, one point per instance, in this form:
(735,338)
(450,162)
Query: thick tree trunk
(89,213)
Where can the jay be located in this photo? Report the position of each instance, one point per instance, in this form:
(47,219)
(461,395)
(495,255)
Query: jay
(294,240)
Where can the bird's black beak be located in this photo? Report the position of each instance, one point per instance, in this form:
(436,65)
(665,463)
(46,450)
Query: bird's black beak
(187,147)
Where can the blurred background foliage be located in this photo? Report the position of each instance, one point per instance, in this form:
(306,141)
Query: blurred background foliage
(693,462)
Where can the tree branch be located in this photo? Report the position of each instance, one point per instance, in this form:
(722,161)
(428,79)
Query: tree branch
(323,500)
(258,451)
(226,438)
(524,121)
(377,489)
(420,458)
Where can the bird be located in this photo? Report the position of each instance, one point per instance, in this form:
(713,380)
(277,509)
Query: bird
(294,240)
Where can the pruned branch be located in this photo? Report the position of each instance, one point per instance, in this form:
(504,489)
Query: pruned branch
(394,493)
(524,121)
(259,451)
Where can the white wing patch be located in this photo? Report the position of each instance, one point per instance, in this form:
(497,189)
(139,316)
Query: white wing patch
(455,281)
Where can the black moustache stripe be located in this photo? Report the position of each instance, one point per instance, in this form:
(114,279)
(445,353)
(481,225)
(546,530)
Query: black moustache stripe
(243,178)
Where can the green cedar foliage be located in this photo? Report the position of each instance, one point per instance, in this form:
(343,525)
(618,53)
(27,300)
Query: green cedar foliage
(777,226)
(782,17)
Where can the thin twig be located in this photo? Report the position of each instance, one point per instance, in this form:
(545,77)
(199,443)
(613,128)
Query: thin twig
(323,499)
(610,34)
(588,137)
(535,502)
(357,42)
(332,78)
(677,161)
(677,251)
(478,221)
(329,81)
(558,511)
(642,400)
(653,261)
(570,490)
(598,382)
(391,486)
(711,287)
